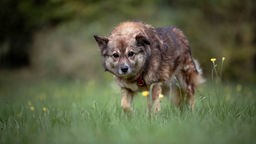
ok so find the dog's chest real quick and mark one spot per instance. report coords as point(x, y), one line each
point(133, 86)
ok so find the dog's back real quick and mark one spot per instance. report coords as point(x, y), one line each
point(184, 70)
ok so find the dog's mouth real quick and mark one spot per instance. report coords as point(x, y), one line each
point(125, 74)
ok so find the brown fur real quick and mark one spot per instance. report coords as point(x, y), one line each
point(160, 56)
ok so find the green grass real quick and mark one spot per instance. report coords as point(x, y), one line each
point(89, 112)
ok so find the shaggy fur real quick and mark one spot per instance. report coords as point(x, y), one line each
point(140, 55)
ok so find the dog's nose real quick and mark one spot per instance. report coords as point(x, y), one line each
point(124, 68)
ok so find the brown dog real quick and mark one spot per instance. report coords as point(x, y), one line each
point(140, 55)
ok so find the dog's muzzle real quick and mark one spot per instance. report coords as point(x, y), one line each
point(124, 69)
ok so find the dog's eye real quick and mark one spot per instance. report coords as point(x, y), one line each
point(130, 54)
point(115, 55)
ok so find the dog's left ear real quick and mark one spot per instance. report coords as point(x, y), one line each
point(142, 40)
point(102, 42)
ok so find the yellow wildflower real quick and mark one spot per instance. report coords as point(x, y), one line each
point(213, 60)
point(145, 93)
point(32, 108)
point(223, 58)
point(161, 95)
point(45, 109)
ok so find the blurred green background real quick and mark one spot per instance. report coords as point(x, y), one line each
point(53, 87)
point(53, 38)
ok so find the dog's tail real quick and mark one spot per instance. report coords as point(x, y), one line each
point(198, 76)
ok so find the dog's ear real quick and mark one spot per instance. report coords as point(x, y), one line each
point(142, 40)
point(102, 42)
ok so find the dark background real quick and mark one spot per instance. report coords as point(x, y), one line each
point(54, 37)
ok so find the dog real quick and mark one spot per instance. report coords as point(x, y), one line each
point(140, 56)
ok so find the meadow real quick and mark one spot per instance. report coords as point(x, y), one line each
point(76, 111)
point(53, 88)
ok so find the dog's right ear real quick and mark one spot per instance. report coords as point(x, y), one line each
point(142, 40)
point(102, 42)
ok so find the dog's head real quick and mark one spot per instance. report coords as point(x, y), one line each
point(124, 56)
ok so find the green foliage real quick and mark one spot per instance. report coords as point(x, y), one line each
point(215, 28)
point(88, 112)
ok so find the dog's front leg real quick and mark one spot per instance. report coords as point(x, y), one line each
point(153, 100)
point(126, 100)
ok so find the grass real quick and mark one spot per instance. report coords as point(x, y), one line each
point(61, 111)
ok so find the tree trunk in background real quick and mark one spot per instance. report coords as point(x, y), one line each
point(15, 36)
point(18, 51)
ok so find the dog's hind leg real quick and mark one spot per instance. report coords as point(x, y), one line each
point(154, 100)
point(190, 96)
point(190, 78)
point(184, 90)
point(182, 95)
point(177, 97)
point(126, 100)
